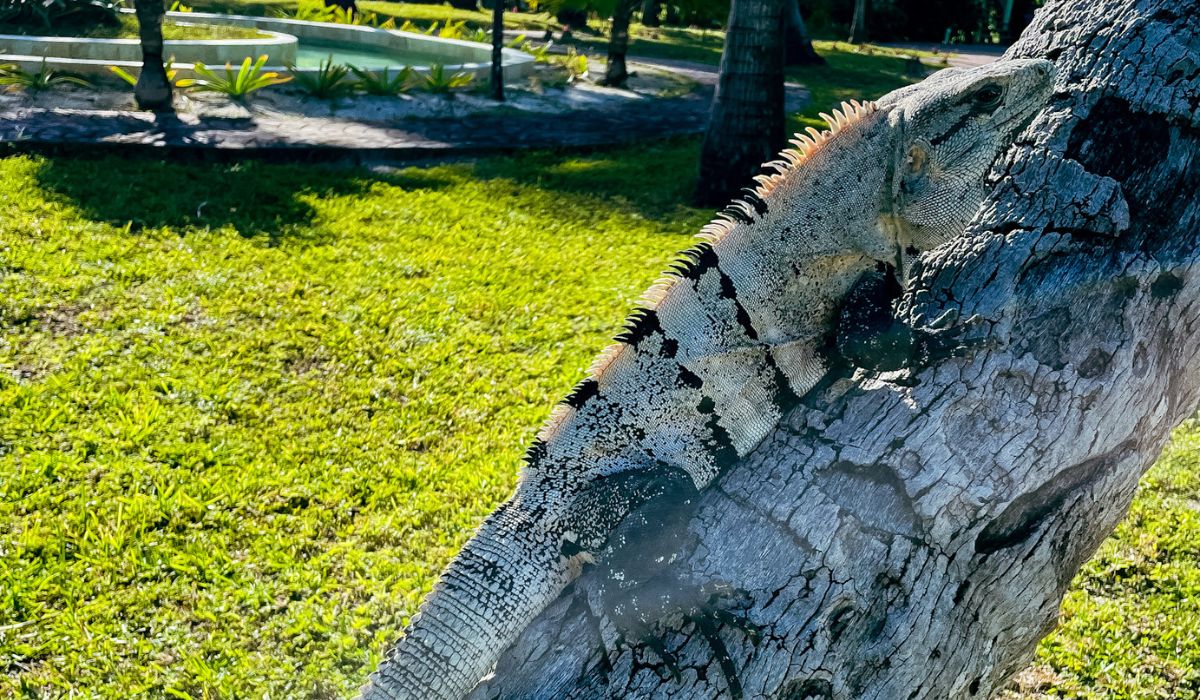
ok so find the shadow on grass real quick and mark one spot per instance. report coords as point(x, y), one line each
point(255, 199)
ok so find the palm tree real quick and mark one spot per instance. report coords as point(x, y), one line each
point(858, 26)
point(798, 44)
point(650, 10)
point(616, 74)
point(153, 90)
point(498, 50)
point(746, 126)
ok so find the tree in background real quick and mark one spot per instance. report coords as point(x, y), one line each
point(498, 50)
point(650, 9)
point(798, 48)
point(153, 90)
point(746, 127)
point(858, 26)
point(615, 74)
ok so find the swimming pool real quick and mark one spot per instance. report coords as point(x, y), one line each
point(302, 44)
point(310, 54)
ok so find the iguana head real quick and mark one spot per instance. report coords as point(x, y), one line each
point(952, 126)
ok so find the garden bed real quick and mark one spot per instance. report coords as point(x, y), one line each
point(284, 41)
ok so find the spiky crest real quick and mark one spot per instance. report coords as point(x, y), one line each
point(740, 210)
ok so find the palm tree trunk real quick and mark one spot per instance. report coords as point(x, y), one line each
point(618, 44)
point(798, 45)
point(650, 10)
point(858, 27)
point(153, 90)
point(746, 127)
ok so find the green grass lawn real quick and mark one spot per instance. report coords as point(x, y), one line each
point(248, 412)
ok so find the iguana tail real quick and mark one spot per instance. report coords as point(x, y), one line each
point(504, 576)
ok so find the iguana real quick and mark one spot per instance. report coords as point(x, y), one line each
point(717, 352)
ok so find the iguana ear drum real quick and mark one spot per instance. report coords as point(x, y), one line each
point(917, 158)
point(916, 169)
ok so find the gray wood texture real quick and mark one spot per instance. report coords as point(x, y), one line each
point(913, 536)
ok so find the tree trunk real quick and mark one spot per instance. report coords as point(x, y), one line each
point(914, 539)
point(498, 50)
point(650, 9)
point(153, 90)
point(746, 127)
point(616, 73)
point(858, 26)
point(798, 48)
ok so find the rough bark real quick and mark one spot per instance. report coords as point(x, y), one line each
point(914, 539)
point(615, 74)
point(798, 48)
point(746, 127)
point(153, 90)
point(858, 25)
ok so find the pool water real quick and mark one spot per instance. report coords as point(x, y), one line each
point(310, 54)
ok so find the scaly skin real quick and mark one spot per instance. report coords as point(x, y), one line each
point(720, 350)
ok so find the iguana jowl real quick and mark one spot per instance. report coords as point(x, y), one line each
point(719, 350)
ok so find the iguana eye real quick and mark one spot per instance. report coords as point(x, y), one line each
point(988, 96)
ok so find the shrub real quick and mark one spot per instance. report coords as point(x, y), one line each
point(328, 83)
point(383, 83)
point(15, 78)
point(439, 83)
point(236, 84)
point(575, 63)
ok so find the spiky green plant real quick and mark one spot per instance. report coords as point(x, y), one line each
point(575, 63)
point(408, 26)
point(318, 11)
point(248, 78)
point(541, 54)
point(329, 82)
point(438, 82)
point(16, 79)
point(383, 84)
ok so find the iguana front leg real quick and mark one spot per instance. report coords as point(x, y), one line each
point(870, 336)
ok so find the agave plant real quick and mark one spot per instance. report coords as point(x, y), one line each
point(328, 83)
point(439, 83)
point(411, 28)
point(236, 84)
point(384, 83)
point(14, 78)
point(575, 63)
